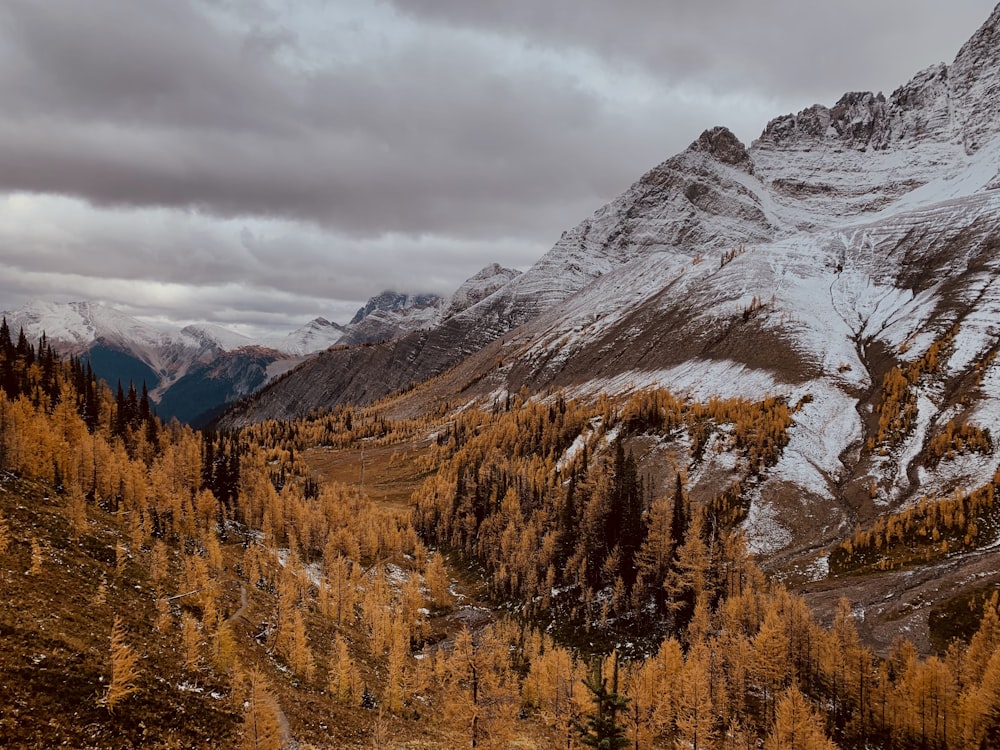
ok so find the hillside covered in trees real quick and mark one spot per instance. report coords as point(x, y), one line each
point(544, 587)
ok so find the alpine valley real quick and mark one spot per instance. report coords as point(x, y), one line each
point(192, 373)
point(720, 470)
point(847, 262)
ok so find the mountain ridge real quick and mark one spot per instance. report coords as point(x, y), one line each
point(841, 246)
point(193, 371)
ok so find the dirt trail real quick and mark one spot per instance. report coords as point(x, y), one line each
point(284, 730)
point(240, 614)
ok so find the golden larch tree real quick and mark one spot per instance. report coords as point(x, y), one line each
point(124, 668)
point(797, 725)
point(261, 728)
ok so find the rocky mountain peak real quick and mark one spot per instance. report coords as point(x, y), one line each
point(477, 288)
point(975, 85)
point(721, 143)
point(959, 103)
point(392, 301)
point(859, 120)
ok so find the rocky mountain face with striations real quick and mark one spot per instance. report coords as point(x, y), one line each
point(846, 245)
point(879, 192)
point(848, 260)
point(390, 315)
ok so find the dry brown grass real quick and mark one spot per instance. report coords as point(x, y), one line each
point(391, 473)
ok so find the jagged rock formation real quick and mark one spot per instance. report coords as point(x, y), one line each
point(477, 288)
point(390, 315)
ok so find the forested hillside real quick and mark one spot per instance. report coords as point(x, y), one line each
point(174, 589)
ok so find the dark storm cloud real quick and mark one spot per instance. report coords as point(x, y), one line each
point(126, 103)
point(265, 161)
point(192, 266)
point(779, 48)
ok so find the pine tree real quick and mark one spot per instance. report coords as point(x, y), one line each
point(696, 715)
point(6, 345)
point(191, 641)
point(797, 725)
point(679, 519)
point(603, 728)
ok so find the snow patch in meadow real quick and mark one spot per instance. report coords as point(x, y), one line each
point(764, 533)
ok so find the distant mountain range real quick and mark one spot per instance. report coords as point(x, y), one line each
point(193, 372)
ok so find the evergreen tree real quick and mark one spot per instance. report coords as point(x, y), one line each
point(628, 505)
point(8, 380)
point(6, 345)
point(603, 729)
point(91, 405)
point(145, 413)
point(121, 413)
point(132, 406)
point(24, 351)
point(679, 520)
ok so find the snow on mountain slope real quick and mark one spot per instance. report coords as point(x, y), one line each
point(843, 242)
point(81, 323)
point(208, 334)
point(847, 248)
point(187, 371)
point(477, 288)
point(315, 336)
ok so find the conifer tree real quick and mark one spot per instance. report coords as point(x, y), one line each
point(261, 730)
point(124, 670)
point(797, 725)
point(696, 713)
point(4, 535)
point(679, 519)
point(603, 728)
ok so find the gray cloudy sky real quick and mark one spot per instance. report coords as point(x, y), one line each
point(262, 162)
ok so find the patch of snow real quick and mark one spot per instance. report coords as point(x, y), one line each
point(696, 379)
point(819, 568)
point(574, 449)
point(914, 442)
point(822, 429)
point(763, 532)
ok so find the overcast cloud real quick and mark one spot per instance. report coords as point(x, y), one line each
point(259, 162)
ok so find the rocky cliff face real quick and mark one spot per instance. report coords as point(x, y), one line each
point(391, 315)
point(477, 288)
point(809, 258)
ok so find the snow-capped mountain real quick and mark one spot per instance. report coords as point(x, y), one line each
point(844, 241)
point(390, 315)
point(188, 371)
point(477, 288)
point(80, 323)
point(849, 249)
point(196, 369)
point(314, 336)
